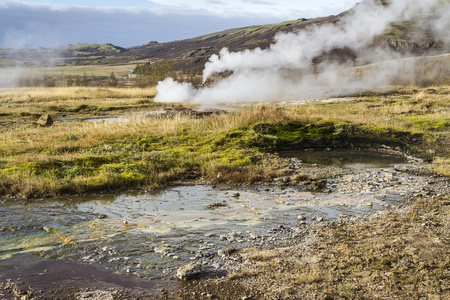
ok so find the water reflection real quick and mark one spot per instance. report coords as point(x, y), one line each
point(347, 158)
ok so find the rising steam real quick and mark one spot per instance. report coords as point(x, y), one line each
point(288, 69)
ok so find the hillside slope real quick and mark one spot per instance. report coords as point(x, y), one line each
point(190, 55)
point(77, 54)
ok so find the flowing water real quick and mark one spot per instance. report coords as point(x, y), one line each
point(147, 233)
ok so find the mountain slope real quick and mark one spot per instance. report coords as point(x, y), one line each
point(190, 55)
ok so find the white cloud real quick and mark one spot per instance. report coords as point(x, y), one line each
point(32, 25)
point(26, 24)
point(280, 8)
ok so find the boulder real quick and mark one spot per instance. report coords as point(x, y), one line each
point(45, 121)
point(189, 271)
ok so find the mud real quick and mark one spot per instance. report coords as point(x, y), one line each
point(34, 277)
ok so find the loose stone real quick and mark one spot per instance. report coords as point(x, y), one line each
point(301, 217)
point(189, 271)
point(45, 121)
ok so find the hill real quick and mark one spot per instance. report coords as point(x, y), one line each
point(77, 54)
point(190, 55)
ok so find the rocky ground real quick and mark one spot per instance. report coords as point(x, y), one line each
point(400, 252)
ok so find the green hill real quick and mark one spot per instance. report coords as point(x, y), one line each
point(77, 54)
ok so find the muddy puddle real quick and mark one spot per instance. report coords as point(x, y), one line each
point(347, 158)
point(151, 234)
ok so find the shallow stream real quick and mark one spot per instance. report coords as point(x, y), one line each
point(149, 234)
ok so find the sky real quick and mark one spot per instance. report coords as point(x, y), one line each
point(127, 23)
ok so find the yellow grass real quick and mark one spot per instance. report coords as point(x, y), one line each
point(119, 70)
point(441, 165)
point(181, 144)
point(388, 111)
point(41, 94)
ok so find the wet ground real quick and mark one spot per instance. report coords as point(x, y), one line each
point(97, 242)
point(29, 276)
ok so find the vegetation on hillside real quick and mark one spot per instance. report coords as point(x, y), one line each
point(77, 54)
point(149, 74)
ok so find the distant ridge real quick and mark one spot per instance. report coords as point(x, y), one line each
point(190, 55)
point(76, 54)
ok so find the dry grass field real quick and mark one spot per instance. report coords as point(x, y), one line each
point(151, 152)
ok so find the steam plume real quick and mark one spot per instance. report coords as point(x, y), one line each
point(287, 70)
point(18, 70)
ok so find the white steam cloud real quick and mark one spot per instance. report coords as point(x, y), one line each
point(9, 77)
point(175, 91)
point(288, 69)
